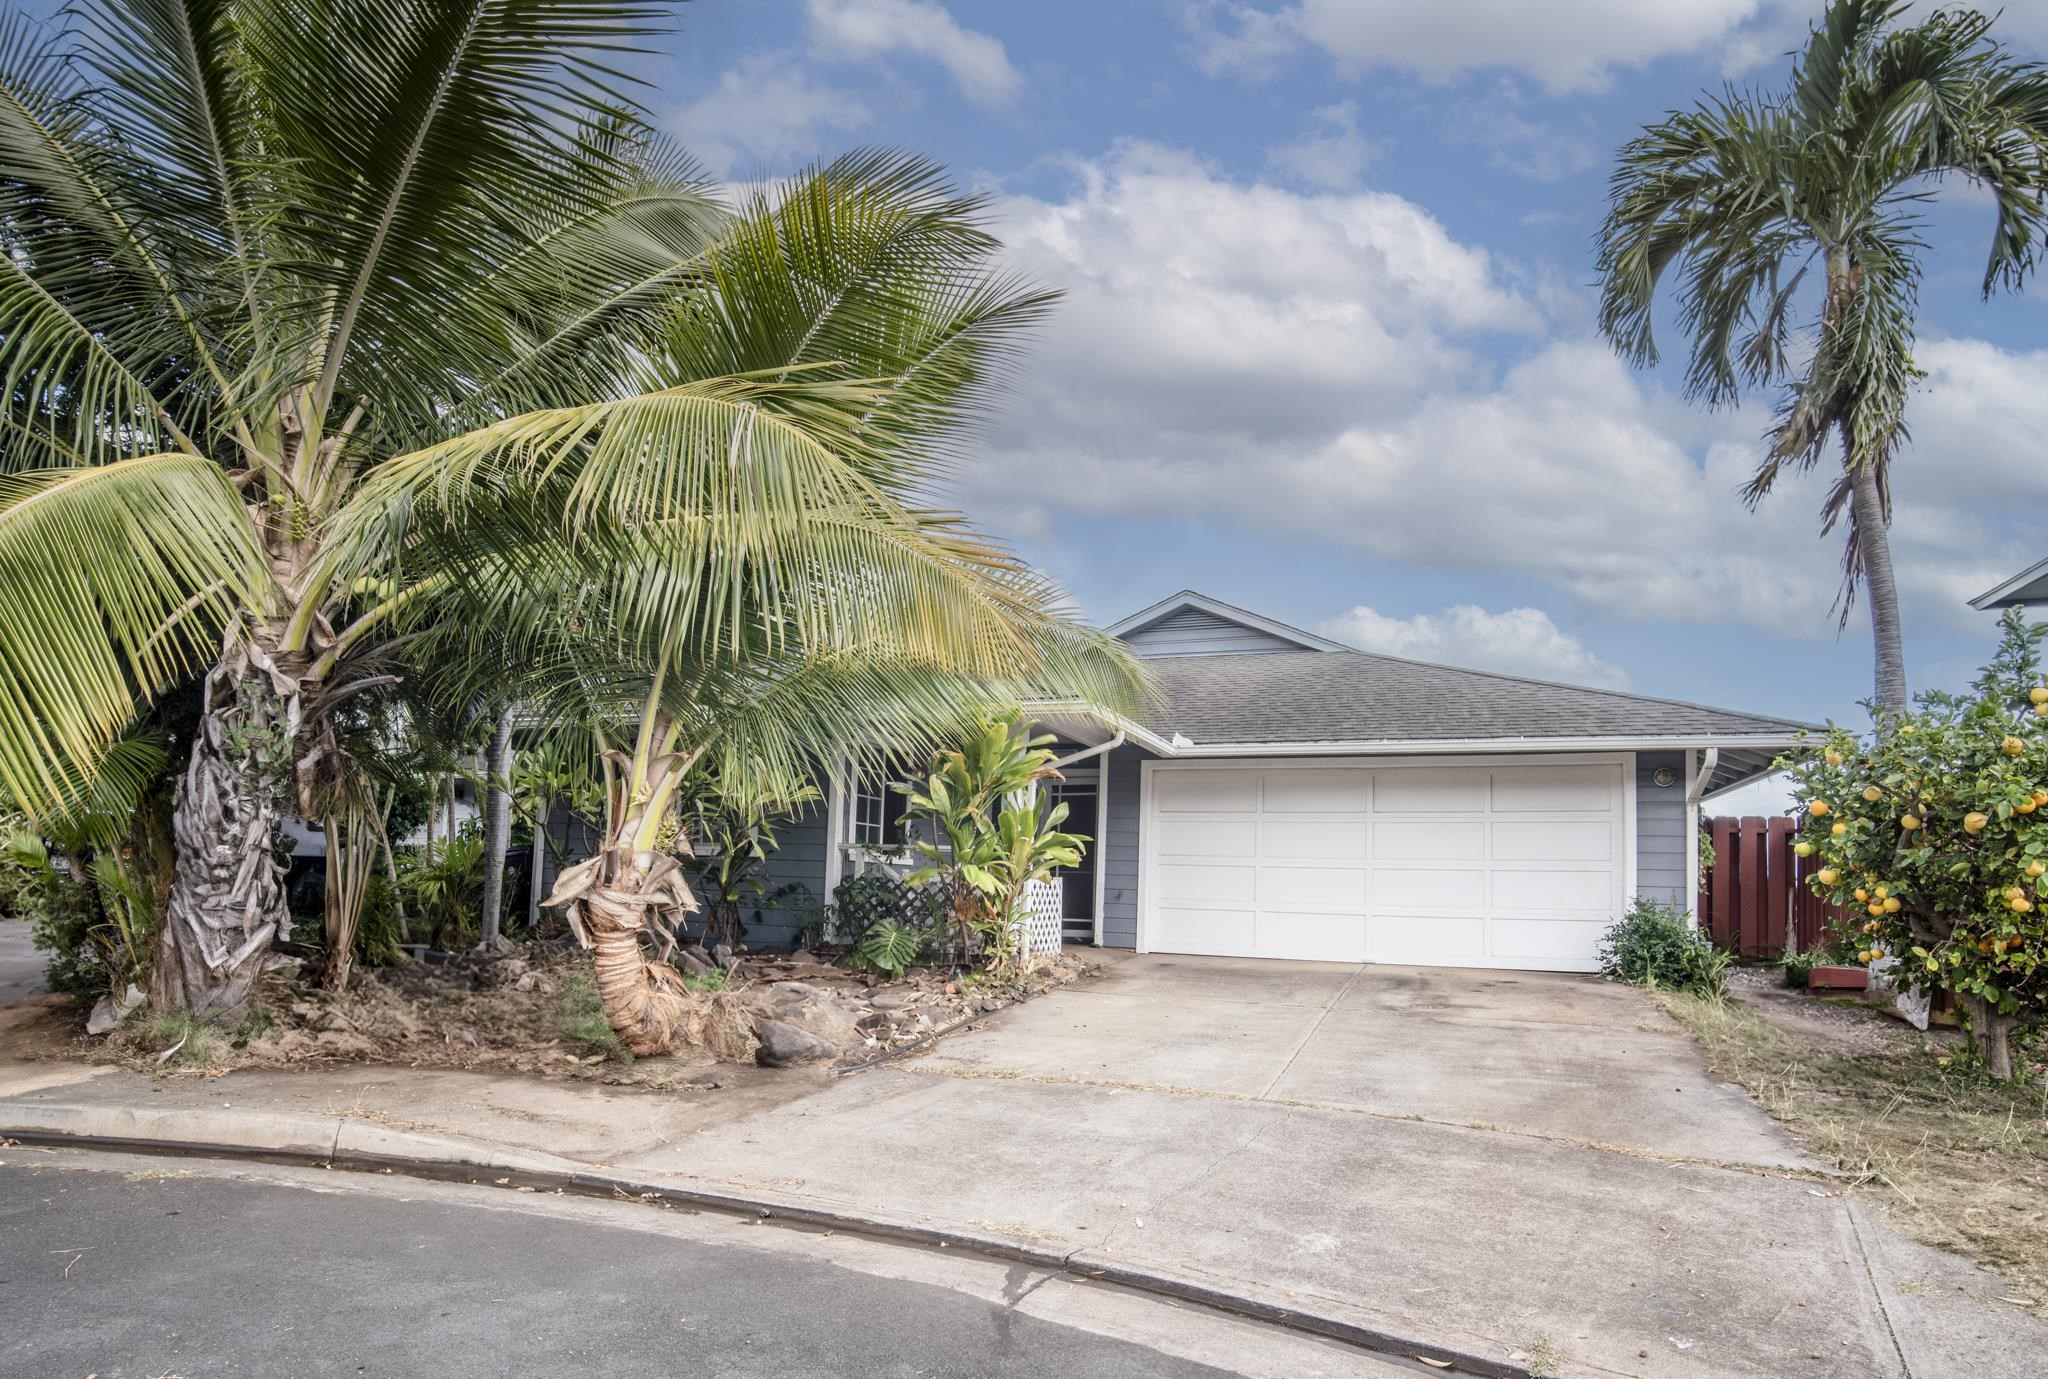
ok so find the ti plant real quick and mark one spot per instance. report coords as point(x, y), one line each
point(998, 831)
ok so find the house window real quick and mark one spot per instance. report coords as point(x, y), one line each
point(877, 814)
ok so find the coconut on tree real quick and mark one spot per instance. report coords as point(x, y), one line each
point(1791, 221)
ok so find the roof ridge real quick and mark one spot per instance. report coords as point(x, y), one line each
point(1629, 695)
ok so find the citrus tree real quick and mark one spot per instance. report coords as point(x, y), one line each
point(1936, 834)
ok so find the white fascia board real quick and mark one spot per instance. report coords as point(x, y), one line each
point(1461, 746)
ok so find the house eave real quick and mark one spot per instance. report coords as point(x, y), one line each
point(1459, 746)
point(2017, 591)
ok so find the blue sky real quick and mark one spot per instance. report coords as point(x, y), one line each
point(1327, 346)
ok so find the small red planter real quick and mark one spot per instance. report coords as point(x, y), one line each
point(1837, 979)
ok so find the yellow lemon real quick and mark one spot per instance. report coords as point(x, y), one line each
point(1872, 793)
point(2039, 694)
point(1827, 876)
point(1839, 829)
point(1802, 849)
point(1974, 821)
point(2037, 868)
point(2013, 746)
point(1893, 905)
point(1817, 808)
point(1909, 822)
point(2020, 904)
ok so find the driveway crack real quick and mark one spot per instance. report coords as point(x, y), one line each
point(1310, 1033)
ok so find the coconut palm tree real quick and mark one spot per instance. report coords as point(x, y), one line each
point(737, 567)
point(1747, 195)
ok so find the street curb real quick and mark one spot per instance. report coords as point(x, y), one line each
point(338, 1142)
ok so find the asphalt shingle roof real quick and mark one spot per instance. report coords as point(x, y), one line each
point(1354, 696)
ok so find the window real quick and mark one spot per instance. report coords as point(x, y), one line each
point(877, 814)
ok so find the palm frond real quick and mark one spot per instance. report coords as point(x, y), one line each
point(114, 581)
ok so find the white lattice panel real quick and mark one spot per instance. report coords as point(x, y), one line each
point(1039, 931)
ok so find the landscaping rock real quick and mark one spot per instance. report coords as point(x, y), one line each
point(724, 956)
point(889, 1000)
point(694, 962)
point(784, 1044)
point(110, 1010)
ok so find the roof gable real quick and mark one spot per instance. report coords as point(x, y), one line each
point(2026, 589)
point(1192, 624)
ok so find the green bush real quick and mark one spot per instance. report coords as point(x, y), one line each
point(859, 903)
point(1795, 968)
point(1655, 944)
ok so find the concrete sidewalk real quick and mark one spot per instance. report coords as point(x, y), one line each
point(1331, 1164)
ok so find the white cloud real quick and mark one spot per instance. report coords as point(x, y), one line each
point(1518, 641)
point(1519, 143)
point(862, 30)
point(1566, 44)
point(766, 113)
point(1331, 152)
point(1316, 363)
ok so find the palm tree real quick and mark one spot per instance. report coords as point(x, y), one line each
point(253, 252)
point(735, 569)
point(1747, 194)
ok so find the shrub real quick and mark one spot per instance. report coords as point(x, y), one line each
point(1655, 944)
point(1935, 829)
point(859, 903)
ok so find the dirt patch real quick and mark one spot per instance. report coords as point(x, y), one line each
point(533, 1011)
point(1960, 1162)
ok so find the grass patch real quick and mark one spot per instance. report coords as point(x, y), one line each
point(159, 1032)
point(1962, 1160)
point(583, 1019)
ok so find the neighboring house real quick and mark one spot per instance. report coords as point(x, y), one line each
point(1290, 797)
point(2027, 589)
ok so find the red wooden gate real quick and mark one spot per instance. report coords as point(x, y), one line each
point(1756, 894)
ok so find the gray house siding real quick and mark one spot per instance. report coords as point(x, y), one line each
point(1660, 829)
point(1119, 856)
point(799, 857)
point(1193, 632)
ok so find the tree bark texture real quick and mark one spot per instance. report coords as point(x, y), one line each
point(497, 827)
point(227, 900)
point(1873, 535)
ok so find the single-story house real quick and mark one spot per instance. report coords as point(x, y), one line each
point(2027, 589)
point(1291, 797)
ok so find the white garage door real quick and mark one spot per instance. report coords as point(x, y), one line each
point(1487, 864)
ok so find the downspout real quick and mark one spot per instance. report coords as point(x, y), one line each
point(1708, 763)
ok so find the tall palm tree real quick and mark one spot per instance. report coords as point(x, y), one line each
point(737, 566)
point(253, 251)
point(1746, 195)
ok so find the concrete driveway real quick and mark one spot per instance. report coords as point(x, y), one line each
point(1502, 1164)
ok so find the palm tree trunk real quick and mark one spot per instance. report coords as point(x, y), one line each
point(1873, 536)
point(497, 827)
point(227, 899)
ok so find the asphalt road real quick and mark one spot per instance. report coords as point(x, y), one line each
point(21, 966)
point(128, 1268)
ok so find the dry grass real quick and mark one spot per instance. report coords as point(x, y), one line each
point(1961, 1161)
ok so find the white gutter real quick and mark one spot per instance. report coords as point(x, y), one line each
point(1468, 746)
point(1094, 751)
point(1711, 760)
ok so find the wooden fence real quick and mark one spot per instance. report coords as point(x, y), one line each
point(1755, 897)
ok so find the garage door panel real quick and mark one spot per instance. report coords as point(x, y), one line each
point(1553, 840)
point(1425, 939)
point(1211, 838)
point(1434, 888)
point(1219, 884)
point(1319, 838)
point(1554, 789)
point(1322, 887)
point(1568, 944)
point(1215, 792)
point(1523, 891)
point(1430, 790)
point(1317, 937)
point(1317, 792)
point(1508, 864)
point(1435, 840)
point(1221, 933)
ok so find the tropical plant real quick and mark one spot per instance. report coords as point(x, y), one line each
point(730, 814)
point(1748, 194)
point(868, 898)
point(1656, 945)
point(445, 887)
point(736, 566)
point(1936, 834)
point(997, 831)
point(891, 948)
point(254, 252)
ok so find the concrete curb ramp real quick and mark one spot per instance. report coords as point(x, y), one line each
point(340, 1142)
